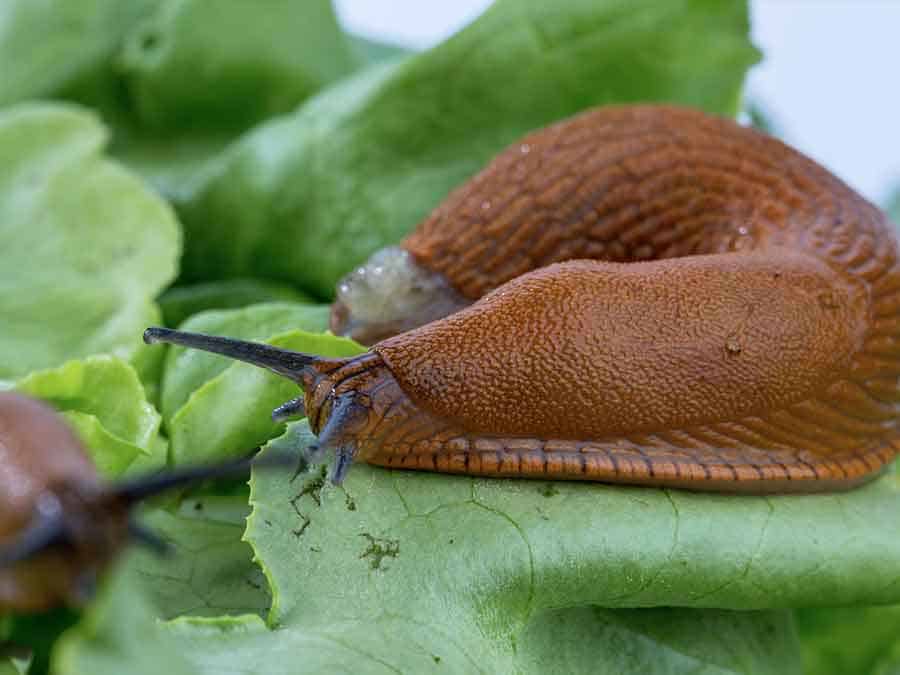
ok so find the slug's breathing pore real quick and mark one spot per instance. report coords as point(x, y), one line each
point(388, 295)
point(60, 525)
point(639, 294)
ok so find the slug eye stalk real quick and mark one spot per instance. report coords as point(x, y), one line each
point(304, 369)
point(295, 366)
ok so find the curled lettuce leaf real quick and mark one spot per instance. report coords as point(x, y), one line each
point(102, 398)
point(85, 246)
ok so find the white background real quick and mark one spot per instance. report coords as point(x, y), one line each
point(830, 77)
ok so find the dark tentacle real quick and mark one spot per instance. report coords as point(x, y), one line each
point(289, 364)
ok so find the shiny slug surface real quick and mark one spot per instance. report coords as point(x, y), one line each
point(659, 297)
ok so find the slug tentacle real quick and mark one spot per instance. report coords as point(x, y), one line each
point(293, 408)
point(346, 419)
point(343, 458)
point(292, 365)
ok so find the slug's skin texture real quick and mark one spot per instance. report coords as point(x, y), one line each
point(728, 319)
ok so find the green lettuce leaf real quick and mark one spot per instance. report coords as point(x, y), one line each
point(175, 79)
point(306, 197)
point(527, 546)
point(103, 400)
point(230, 64)
point(893, 207)
point(121, 637)
point(849, 639)
point(11, 666)
point(179, 303)
point(29, 638)
point(197, 74)
point(889, 664)
point(119, 634)
point(55, 47)
point(208, 571)
point(369, 51)
point(84, 245)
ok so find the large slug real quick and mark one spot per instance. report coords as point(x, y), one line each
point(727, 319)
point(60, 525)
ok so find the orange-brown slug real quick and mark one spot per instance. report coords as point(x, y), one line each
point(639, 294)
point(60, 525)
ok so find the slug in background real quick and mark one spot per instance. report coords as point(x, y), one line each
point(727, 320)
point(60, 525)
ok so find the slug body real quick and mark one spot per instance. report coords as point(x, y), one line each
point(647, 295)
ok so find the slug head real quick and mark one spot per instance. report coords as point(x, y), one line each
point(390, 294)
point(338, 419)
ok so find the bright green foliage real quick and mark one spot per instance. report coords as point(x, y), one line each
point(119, 634)
point(104, 401)
point(209, 570)
point(307, 196)
point(848, 640)
point(55, 47)
point(586, 640)
point(176, 79)
point(369, 52)
point(181, 302)
point(230, 64)
point(84, 245)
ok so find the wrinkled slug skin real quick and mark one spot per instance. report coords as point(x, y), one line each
point(735, 328)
